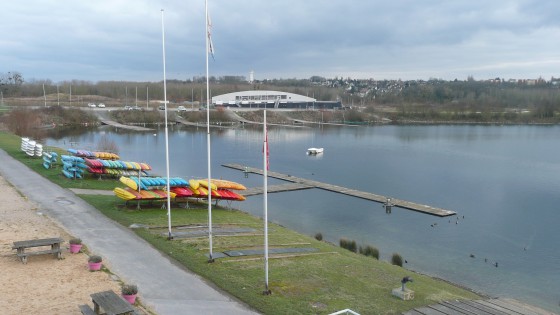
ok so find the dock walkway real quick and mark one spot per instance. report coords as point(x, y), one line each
point(346, 191)
point(498, 306)
point(203, 124)
point(119, 125)
point(274, 189)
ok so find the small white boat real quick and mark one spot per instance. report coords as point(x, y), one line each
point(314, 151)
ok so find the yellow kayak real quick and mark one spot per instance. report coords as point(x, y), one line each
point(204, 183)
point(123, 194)
point(227, 184)
point(129, 182)
point(194, 184)
point(204, 192)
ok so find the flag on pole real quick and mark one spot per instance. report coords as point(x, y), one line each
point(209, 31)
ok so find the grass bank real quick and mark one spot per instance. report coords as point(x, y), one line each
point(320, 282)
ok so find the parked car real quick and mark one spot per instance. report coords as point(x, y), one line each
point(181, 109)
point(101, 105)
point(128, 107)
point(136, 108)
point(91, 105)
point(161, 107)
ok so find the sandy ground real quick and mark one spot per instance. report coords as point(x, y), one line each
point(44, 285)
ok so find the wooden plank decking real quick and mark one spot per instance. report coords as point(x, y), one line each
point(273, 189)
point(346, 191)
point(479, 307)
point(129, 127)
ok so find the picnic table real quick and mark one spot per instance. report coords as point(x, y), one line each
point(54, 244)
point(110, 303)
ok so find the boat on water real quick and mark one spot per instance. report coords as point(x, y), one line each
point(313, 151)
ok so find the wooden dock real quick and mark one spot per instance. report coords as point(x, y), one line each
point(203, 124)
point(129, 127)
point(343, 190)
point(273, 189)
point(479, 307)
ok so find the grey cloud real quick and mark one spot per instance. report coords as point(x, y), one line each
point(64, 40)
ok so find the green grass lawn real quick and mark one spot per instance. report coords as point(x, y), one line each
point(321, 282)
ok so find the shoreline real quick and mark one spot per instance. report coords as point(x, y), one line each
point(434, 277)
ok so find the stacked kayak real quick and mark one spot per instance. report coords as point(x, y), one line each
point(31, 147)
point(38, 149)
point(73, 166)
point(229, 195)
point(146, 188)
point(117, 168)
point(128, 193)
point(151, 188)
point(226, 184)
point(220, 189)
point(216, 184)
point(94, 154)
point(152, 182)
point(49, 158)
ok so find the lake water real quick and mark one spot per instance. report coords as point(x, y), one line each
point(504, 180)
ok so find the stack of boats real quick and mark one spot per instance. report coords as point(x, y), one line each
point(94, 154)
point(100, 163)
point(153, 188)
point(145, 188)
point(73, 166)
point(31, 147)
point(138, 184)
point(49, 159)
point(116, 168)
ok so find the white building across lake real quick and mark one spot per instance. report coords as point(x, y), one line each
point(272, 99)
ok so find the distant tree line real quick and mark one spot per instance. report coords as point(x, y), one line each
point(177, 90)
point(475, 101)
point(473, 94)
point(413, 98)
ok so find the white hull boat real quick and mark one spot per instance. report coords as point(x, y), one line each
point(314, 151)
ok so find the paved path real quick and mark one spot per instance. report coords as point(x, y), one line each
point(164, 286)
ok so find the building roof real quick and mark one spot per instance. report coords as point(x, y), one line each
point(259, 96)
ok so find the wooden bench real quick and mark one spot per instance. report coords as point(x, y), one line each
point(86, 310)
point(54, 244)
point(111, 303)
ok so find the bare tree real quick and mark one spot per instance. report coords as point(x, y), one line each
point(10, 81)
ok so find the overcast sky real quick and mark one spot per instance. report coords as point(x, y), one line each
point(399, 39)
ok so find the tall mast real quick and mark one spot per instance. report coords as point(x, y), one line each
point(265, 203)
point(211, 259)
point(169, 236)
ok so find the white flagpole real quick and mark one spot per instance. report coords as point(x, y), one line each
point(211, 259)
point(265, 190)
point(169, 236)
point(45, 95)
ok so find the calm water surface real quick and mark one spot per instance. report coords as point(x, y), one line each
point(504, 180)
